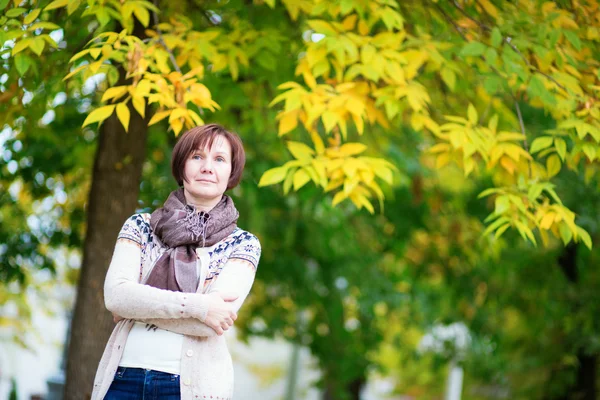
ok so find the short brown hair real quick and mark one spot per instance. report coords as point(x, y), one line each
point(200, 137)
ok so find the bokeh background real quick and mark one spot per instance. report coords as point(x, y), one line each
point(422, 176)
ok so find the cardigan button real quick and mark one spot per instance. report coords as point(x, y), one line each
point(187, 382)
point(189, 353)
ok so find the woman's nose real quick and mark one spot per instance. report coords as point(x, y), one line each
point(207, 166)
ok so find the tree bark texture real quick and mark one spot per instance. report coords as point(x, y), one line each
point(584, 388)
point(113, 197)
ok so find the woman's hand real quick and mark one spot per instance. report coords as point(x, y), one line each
point(220, 315)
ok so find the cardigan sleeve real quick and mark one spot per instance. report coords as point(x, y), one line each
point(127, 298)
point(237, 276)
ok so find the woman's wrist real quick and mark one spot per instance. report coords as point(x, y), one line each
point(195, 305)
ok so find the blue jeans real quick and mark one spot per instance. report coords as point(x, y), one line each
point(143, 384)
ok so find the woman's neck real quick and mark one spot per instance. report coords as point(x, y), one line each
point(201, 204)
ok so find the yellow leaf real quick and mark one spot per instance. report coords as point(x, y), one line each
point(56, 4)
point(123, 115)
point(322, 27)
point(159, 116)
point(329, 120)
point(114, 93)
point(489, 8)
point(360, 124)
point(142, 15)
point(318, 142)
point(334, 184)
point(37, 45)
point(319, 167)
point(288, 122)
point(31, 16)
point(351, 149)
point(547, 220)
point(553, 165)
point(289, 179)
point(472, 114)
point(349, 22)
point(338, 198)
point(301, 177)
point(366, 54)
point(363, 28)
point(300, 151)
point(20, 46)
point(140, 105)
point(508, 164)
point(273, 176)
point(350, 167)
point(143, 88)
point(366, 203)
point(99, 115)
point(178, 113)
point(384, 173)
point(355, 106)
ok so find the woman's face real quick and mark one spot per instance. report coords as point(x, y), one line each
point(207, 173)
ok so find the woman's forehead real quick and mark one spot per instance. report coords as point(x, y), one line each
point(218, 143)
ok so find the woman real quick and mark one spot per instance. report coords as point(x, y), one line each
point(177, 279)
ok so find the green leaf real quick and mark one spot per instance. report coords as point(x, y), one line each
point(37, 45)
point(553, 165)
point(585, 237)
point(553, 37)
point(536, 87)
point(541, 143)
point(501, 204)
point(491, 55)
point(473, 49)
point(56, 4)
point(3, 4)
point(273, 176)
point(495, 225)
point(496, 38)
point(449, 77)
point(561, 147)
point(573, 38)
point(15, 12)
point(492, 83)
point(22, 63)
point(565, 233)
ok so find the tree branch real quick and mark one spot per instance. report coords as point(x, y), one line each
point(162, 40)
point(517, 107)
point(508, 41)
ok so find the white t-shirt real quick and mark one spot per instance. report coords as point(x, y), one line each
point(157, 349)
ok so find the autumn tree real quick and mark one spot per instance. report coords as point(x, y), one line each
point(351, 75)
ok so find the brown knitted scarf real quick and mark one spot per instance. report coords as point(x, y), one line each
point(183, 229)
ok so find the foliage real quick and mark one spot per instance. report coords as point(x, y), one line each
point(373, 99)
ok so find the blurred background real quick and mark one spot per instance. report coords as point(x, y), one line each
point(390, 275)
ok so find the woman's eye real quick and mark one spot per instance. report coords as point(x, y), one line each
point(196, 157)
point(220, 159)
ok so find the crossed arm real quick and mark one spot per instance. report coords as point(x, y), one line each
point(193, 314)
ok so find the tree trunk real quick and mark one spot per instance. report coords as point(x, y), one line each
point(584, 388)
point(113, 196)
point(352, 391)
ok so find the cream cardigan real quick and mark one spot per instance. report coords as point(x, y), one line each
point(206, 367)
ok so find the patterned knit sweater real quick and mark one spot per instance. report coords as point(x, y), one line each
point(206, 367)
